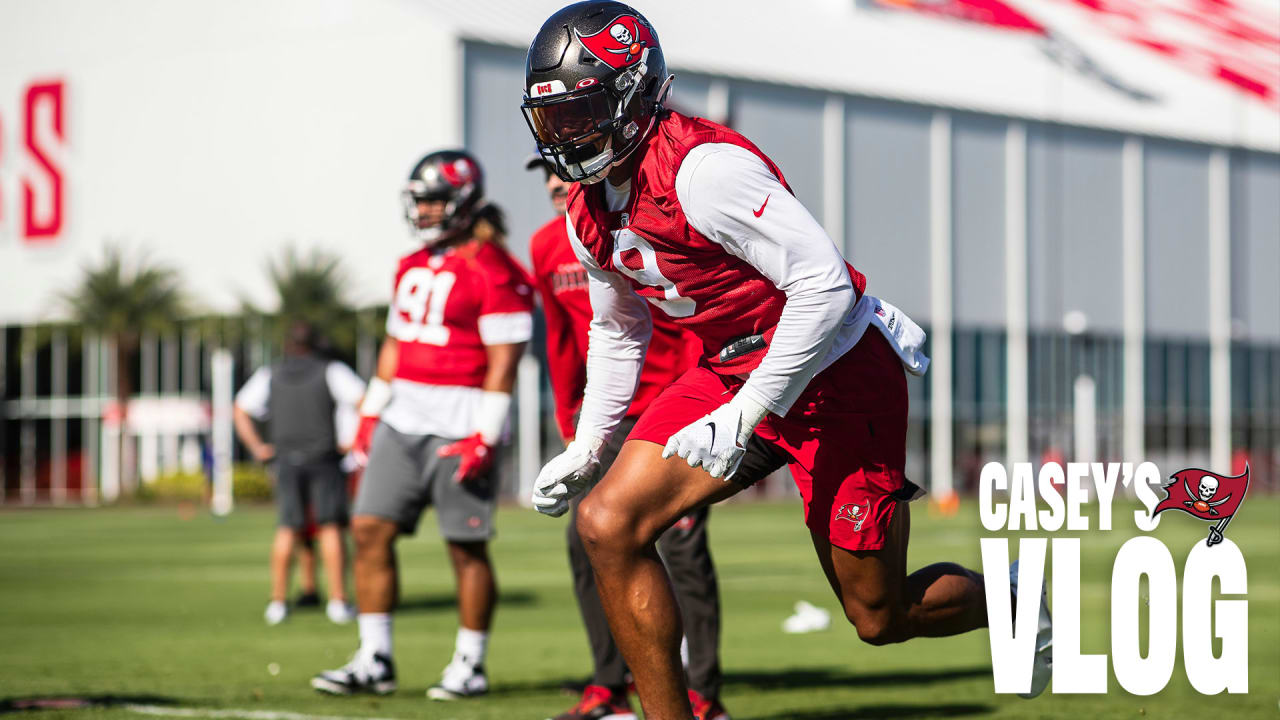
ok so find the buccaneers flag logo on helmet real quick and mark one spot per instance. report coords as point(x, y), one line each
point(620, 43)
point(1206, 495)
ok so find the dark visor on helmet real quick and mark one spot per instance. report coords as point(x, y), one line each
point(561, 120)
point(570, 129)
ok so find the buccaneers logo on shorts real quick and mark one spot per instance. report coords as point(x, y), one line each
point(854, 513)
point(620, 43)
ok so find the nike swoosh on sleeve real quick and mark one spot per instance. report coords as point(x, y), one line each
point(760, 212)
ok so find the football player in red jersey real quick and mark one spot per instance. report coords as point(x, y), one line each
point(562, 286)
point(698, 221)
point(458, 322)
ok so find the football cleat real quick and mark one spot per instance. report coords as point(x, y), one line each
point(599, 703)
point(276, 612)
point(1042, 663)
point(458, 681)
point(705, 708)
point(374, 674)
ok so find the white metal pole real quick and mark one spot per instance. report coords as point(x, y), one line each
point(27, 432)
point(169, 387)
point(111, 455)
point(58, 418)
point(529, 441)
point(148, 455)
point(222, 367)
point(1133, 289)
point(1220, 310)
point(148, 367)
point(191, 361)
point(1017, 415)
point(718, 107)
point(940, 303)
point(1085, 417)
point(833, 167)
point(90, 412)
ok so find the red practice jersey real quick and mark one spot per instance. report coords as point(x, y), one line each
point(448, 304)
point(562, 284)
point(717, 295)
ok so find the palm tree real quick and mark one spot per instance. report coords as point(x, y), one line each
point(312, 288)
point(121, 299)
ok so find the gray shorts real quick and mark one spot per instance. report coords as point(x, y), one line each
point(405, 476)
point(319, 486)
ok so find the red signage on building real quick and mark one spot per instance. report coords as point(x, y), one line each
point(42, 200)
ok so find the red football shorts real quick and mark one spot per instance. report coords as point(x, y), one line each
point(845, 438)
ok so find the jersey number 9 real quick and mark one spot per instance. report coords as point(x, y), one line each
point(672, 302)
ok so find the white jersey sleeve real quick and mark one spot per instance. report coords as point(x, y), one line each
point(617, 341)
point(255, 395)
point(345, 385)
point(730, 196)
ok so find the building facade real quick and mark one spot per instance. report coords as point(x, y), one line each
point(1088, 228)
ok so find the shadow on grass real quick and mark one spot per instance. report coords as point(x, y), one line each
point(890, 711)
point(432, 603)
point(802, 678)
point(823, 677)
point(78, 702)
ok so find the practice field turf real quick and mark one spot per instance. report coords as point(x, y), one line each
point(145, 607)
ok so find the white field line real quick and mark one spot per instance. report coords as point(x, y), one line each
point(241, 714)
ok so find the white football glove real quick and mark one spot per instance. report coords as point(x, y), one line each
point(718, 440)
point(566, 476)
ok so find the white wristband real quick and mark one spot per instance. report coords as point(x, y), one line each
point(592, 438)
point(376, 397)
point(752, 413)
point(491, 416)
point(594, 443)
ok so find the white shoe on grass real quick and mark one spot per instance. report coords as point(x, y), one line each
point(339, 612)
point(276, 612)
point(459, 680)
point(366, 673)
point(1042, 663)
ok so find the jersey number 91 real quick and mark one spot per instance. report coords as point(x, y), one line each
point(419, 307)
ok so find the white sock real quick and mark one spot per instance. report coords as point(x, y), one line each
point(471, 646)
point(375, 633)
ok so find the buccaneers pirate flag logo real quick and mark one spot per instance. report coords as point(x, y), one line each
point(1206, 495)
point(620, 43)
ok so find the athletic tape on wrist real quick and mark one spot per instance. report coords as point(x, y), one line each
point(376, 397)
point(752, 413)
point(491, 416)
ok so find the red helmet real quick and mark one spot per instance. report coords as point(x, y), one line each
point(595, 79)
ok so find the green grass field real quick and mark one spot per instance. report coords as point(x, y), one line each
point(140, 603)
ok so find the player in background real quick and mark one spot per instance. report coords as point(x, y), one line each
point(301, 399)
point(697, 220)
point(562, 286)
point(432, 417)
